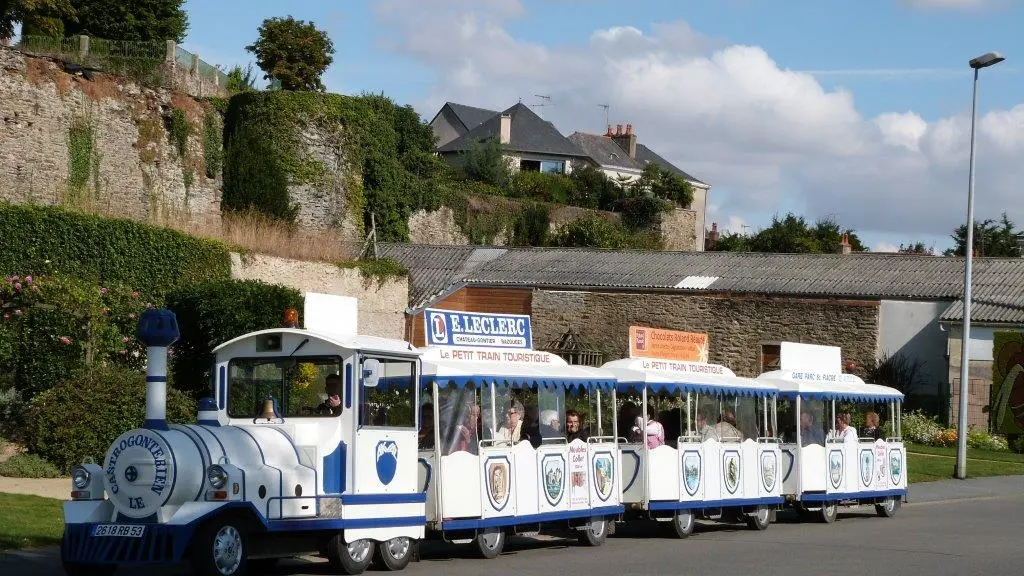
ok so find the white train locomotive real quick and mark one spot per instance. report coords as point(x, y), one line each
point(271, 469)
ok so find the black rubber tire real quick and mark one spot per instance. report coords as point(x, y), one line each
point(684, 522)
point(490, 542)
point(202, 548)
point(346, 561)
point(890, 508)
point(588, 536)
point(760, 520)
point(828, 513)
point(390, 555)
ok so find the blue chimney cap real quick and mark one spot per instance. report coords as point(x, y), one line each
point(158, 327)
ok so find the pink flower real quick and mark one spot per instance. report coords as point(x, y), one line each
point(124, 339)
point(28, 279)
point(103, 290)
point(17, 312)
point(17, 285)
point(65, 340)
point(7, 315)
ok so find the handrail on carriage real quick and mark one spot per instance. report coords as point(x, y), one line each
point(600, 439)
point(554, 440)
point(767, 440)
point(690, 439)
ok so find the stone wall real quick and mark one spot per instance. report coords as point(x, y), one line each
point(129, 169)
point(381, 305)
point(436, 227)
point(680, 231)
point(736, 325)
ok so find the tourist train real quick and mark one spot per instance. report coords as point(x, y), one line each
point(317, 440)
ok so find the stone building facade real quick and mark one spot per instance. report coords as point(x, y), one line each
point(740, 328)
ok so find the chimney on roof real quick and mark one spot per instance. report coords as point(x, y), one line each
point(844, 244)
point(712, 237)
point(618, 129)
point(626, 140)
point(609, 133)
point(506, 129)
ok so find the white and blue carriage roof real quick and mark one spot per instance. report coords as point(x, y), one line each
point(828, 386)
point(674, 376)
point(374, 344)
point(514, 367)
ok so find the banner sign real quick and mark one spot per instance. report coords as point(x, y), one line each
point(455, 328)
point(667, 344)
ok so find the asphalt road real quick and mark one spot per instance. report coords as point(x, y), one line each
point(954, 528)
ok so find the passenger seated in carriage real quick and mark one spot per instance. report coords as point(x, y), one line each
point(512, 430)
point(332, 405)
point(466, 436)
point(809, 432)
point(844, 429)
point(654, 432)
point(425, 438)
point(705, 430)
point(872, 429)
point(550, 426)
point(574, 426)
point(726, 427)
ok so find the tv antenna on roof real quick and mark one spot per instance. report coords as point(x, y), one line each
point(605, 106)
point(547, 102)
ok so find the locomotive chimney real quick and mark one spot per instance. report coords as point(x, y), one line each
point(158, 329)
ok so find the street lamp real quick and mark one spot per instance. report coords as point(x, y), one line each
point(983, 61)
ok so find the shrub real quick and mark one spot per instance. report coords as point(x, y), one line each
point(641, 212)
point(920, 428)
point(12, 407)
point(53, 325)
point(380, 269)
point(147, 258)
point(982, 440)
point(485, 162)
point(531, 226)
point(28, 466)
point(213, 153)
point(213, 312)
point(594, 189)
point(81, 416)
point(593, 231)
point(546, 187)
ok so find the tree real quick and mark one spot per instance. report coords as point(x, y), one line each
point(241, 80)
point(917, 248)
point(140, 20)
point(991, 238)
point(39, 16)
point(792, 235)
point(485, 161)
point(594, 188)
point(665, 185)
point(293, 52)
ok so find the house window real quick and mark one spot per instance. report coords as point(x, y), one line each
point(529, 165)
point(553, 167)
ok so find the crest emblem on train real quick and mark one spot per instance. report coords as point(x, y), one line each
point(691, 471)
point(895, 465)
point(387, 461)
point(835, 467)
point(731, 470)
point(604, 477)
point(553, 471)
point(438, 328)
point(498, 482)
point(769, 470)
point(867, 466)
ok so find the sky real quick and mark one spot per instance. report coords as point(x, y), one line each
point(858, 111)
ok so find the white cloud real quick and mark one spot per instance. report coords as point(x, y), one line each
point(949, 4)
point(763, 135)
point(885, 247)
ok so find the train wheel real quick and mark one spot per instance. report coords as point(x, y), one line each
point(349, 557)
point(490, 542)
point(828, 512)
point(595, 532)
point(220, 548)
point(395, 553)
point(761, 519)
point(889, 508)
point(683, 523)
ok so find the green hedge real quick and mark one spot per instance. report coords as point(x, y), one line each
point(28, 466)
point(45, 240)
point(389, 151)
point(213, 312)
point(82, 415)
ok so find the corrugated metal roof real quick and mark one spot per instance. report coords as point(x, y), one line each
point(998, 282)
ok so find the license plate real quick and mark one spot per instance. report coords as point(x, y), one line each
point(124, 530)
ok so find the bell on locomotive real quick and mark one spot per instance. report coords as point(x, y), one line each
point(306, 444)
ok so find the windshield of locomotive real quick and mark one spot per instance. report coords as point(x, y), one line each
point(282, 387)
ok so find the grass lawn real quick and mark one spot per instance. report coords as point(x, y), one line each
point(927, 463)
point(27, 521)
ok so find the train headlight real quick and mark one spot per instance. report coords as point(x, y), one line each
point(217, 476)
point(80, 477)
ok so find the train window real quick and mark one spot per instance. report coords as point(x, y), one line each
point(280, 387)
point(392, 402)
point(460, 415)
point(551, 412)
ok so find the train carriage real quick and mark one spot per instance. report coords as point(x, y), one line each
point(276, 465)
point(717, 458)
point(498, 458)
point(826, 461)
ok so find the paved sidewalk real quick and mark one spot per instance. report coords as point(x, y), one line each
point(946, 490)
point(59, 488)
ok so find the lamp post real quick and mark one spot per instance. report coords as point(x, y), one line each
point(983, 61)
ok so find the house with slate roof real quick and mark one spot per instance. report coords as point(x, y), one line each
point(622, 158)
point(871, 305)
point(530, 142)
